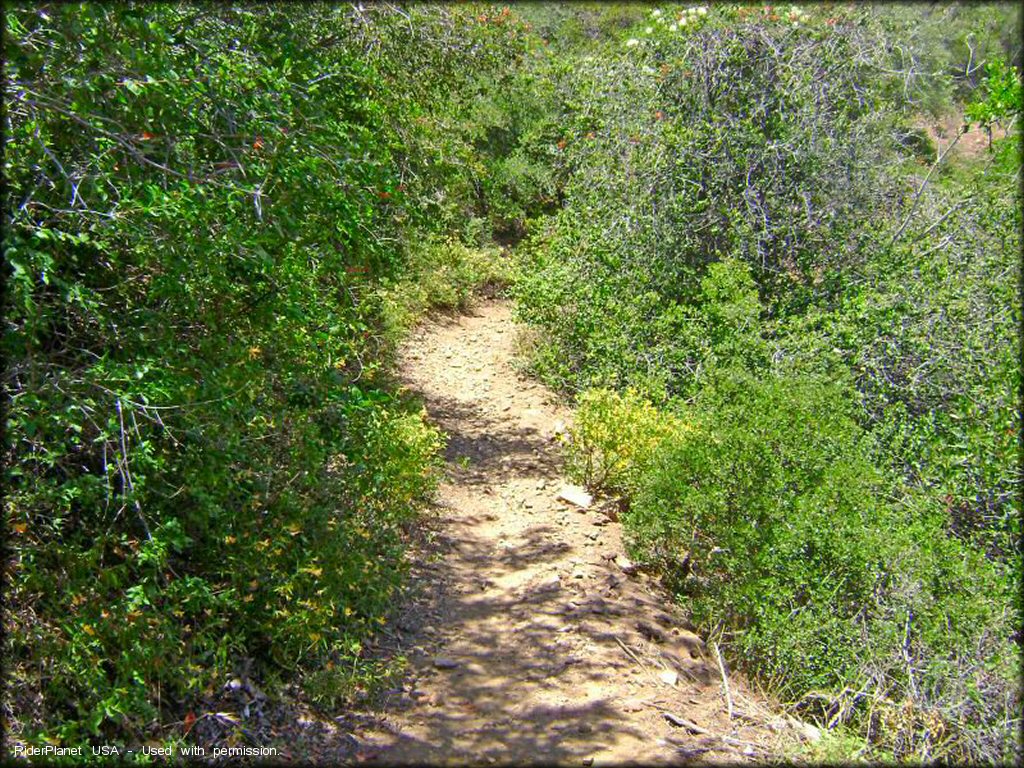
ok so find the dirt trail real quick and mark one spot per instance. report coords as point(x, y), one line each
point(527, 641)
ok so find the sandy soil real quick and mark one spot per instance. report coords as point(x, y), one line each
point(529, 637)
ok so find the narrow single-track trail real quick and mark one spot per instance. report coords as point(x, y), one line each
point(530, 638)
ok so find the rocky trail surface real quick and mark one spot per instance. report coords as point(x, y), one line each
point(530, 637)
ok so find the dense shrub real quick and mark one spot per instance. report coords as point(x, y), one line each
point(204, 471)
point(749, 244)
point(440, 275)
point(737, 139)
point(773, 520)
point(614, 438)
point(942, 49)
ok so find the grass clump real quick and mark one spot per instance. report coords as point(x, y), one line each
point(443, 275)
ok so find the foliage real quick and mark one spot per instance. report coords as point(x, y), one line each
point(1002, 97)
point(941, 51)
point(728, 140)
point(750, 245)
point(780, 530)
point(796, 351)
point(613, 439)
point(616, 436)
point(458, 109)
point(205, 470)
point(440, 275)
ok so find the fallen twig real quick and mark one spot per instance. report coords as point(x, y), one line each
point(637, 659)
point(632, 655)
point(725, 679)
point(689, 725)
point(741, 743)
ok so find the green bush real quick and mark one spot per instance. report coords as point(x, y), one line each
point(749, 241)
point(205, 470)
point(773, 508)
point(729, 139)
point(439, 275)
point(614, 438)
point(771, 518)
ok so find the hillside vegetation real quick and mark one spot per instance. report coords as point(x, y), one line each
point(793, 329)
point(786, 307)
point(215, 219)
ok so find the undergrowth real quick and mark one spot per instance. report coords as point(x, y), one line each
point(217, 223)
point(794, 343)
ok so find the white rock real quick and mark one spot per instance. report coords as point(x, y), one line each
point(626, 565)
point(806, 731)
point(576, 496)
point(553, 583)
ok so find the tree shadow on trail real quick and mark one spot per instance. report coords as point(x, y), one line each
point(503, 699)
point(481, 445)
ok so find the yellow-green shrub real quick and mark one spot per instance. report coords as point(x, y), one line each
point(614, 438)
